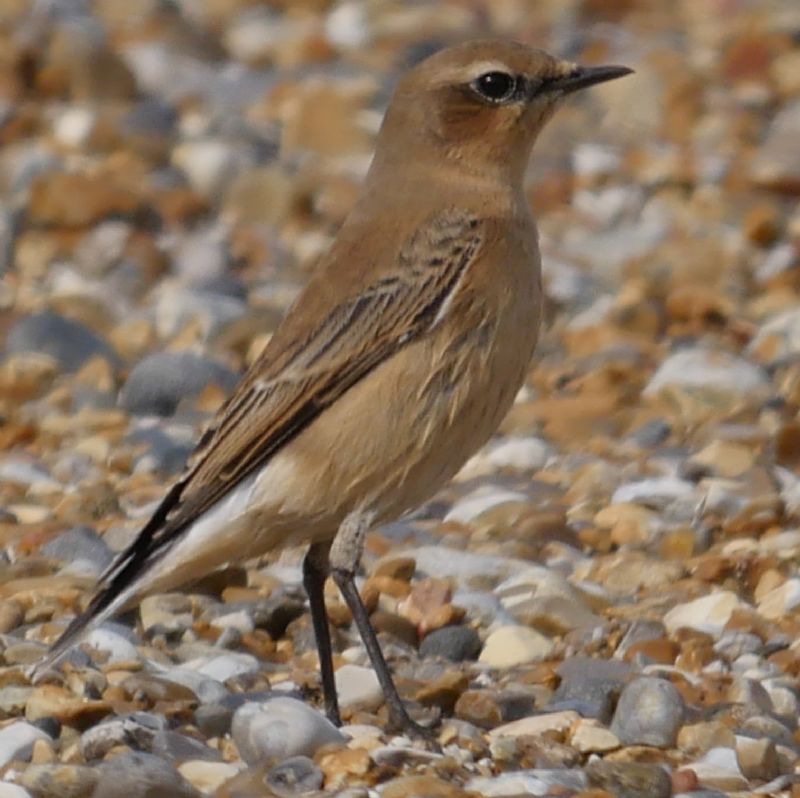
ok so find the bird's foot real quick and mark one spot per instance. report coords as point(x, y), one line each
point(400, 722)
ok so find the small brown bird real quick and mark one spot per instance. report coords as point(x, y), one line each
point(396, 363)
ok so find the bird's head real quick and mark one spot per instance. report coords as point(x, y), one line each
point(484, 102)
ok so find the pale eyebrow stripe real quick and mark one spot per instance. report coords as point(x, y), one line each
point(472, 71)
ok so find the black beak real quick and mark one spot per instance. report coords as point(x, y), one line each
point(584, 76)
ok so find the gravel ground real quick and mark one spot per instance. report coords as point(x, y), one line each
point(606, 602)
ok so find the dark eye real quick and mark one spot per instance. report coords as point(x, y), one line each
point(495, 86)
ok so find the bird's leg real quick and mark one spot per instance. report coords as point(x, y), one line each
point(345, 555)
point(315, 572)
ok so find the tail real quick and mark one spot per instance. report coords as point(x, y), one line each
point(117, 585)
point(103, 605)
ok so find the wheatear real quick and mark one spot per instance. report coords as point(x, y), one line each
point(396, 363)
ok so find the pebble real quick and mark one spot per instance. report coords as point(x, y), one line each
point(772, 165)
point(69, 342)
point(178, 308)
point(480, 501)
point(12, 615)
point(294, 776)
point(52, 701)
point(176, 748)
point(80, 545)
point(280, 728)
point(201, 256)
point(592, 696)
point(698, 738)
point(140, 775)
point(358, 688)
point(157, 384)
point(17, 739)
point(706, 370)
point(165, 454)
point(136, 730)
point(421, 787)
point(719, 769)
point(707, 614)
point(444, 562)
point(166, 613)
point(590, 738)
point(630, 779)
point(513, 454)
point(225, 666)
point(59, 781)
point(540, 782)
point(537, 725)
point(781, 601)
point(216, 715)
point(454, 643)
point(117, 648)
point(206, 776)
point(206, 689)
point(13, 699)
point(757, 758)
point(657, 492)
point(510, 646)
point(650, 712)
point(13, 791)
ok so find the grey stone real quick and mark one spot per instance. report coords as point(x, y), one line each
point(652, 433)
point(140, 775)
point(81, 543)
point(136, 730)
point(655, 492)
point(590, 698)
point(17, 739)
point(214, 719)
point(456, 643)
point(118, 647)
point(7, 235)
point(281, 728)
point(201, 257)
point(165, 453)
point(630, 779)
point(704, 369)
point(275, 613)
point(151, 119)
point(733, 645)
point(294, 776)
point(445, 562)
point(226, 666)
point(8, 790)
point(160, 381)
point(650, 712)
point(23, 471)
point(102, 248)
point(69, 342)
point(178, 305)
point(176, 747)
